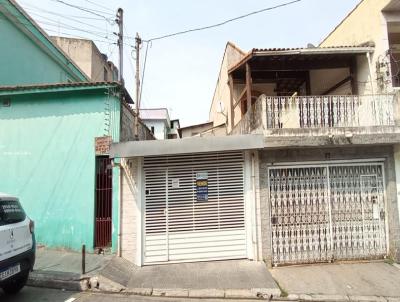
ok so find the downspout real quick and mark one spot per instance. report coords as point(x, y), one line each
point(120, 211)
point(253, 181)
point(119, 165)
point(372, 87)
point(370, 72)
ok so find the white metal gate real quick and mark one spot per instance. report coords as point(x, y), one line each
point(325, 212)
point(180, 228)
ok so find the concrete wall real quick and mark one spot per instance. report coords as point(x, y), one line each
point(78, 50)
point(47, 159)
point(232, 55)
point(323, 79)
point(365, 23)
point(321, 154)
point(87, 56)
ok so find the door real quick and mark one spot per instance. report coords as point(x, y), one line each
point(103, 203)
point(325, 212)
point(194, 208)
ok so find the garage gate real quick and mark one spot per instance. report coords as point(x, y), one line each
point(325, 212)
point(179, 226)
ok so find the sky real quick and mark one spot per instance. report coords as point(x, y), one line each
point(181, 71)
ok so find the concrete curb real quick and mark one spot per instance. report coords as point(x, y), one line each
point(58, 280)
point(336, 298)
point(77, 282)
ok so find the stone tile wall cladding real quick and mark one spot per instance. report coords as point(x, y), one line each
point(268, 157)
point(129, 187)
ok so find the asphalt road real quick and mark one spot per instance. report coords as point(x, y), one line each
point(35, 294)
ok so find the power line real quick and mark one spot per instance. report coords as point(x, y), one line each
point(30, 7)
point(74, 20)
point(70, 27)
point(221, 23)
point(85, 9)
point(99, 5)
point(79, 37)
point(144, 69)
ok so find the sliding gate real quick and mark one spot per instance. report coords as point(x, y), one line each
point(194, 207)
point(327, 212)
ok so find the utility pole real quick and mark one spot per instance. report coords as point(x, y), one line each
point(138, 42)
point(120, 22)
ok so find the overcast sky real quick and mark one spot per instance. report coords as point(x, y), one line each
point(181, 71)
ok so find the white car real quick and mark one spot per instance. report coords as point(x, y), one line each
point(17, 245)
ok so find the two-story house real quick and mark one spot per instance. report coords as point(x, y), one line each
point(55, 129)
point(329, 118)
point(306, 174)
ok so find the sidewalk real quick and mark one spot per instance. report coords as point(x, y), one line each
point(63, 269)
point(242, 279)
point(369, 281)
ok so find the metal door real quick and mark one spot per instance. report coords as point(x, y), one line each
point(178, 227)
point(103, 205)
point(326, 212)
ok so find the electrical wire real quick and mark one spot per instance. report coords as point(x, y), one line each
point(79, 37)
point(31, 7)
point(101, 6)
point(144, 70)
point(70, 27)
point(85, 9)
point(221, 23)
point(72, 19)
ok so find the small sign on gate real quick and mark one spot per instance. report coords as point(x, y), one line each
point(202, 186)
point(102, 145)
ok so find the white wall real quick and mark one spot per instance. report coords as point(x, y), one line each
point(160, 130)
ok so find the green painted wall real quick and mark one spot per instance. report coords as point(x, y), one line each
point(22, 60)
point(47, 159)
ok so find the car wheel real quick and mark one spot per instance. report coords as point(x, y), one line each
point(16, 284)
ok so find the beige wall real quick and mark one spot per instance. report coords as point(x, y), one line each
point(87, 56)
point(78, 50)
point(365, 23)
point(232, 55)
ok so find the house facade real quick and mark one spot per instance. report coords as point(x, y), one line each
point(50, 162)
point(30, 56)
point(308, 172)
point(159, 123)
point(55, 131)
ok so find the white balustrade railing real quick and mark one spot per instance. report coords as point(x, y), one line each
point(329, 111)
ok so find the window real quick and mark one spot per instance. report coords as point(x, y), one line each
point(394, 52)
point(152, 129)
point(11, 212)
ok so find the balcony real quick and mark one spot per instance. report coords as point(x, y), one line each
point(316, 120)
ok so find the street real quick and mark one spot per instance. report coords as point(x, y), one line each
point(35, 294)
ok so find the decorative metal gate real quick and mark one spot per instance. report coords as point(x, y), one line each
point(179, 226)
point(327, 212)
point(103, 206)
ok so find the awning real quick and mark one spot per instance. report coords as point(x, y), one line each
point(187, 145)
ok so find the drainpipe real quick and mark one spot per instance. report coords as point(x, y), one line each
point(119, 249)
point(253, 181)
point(370, 72)
point(120, 211)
